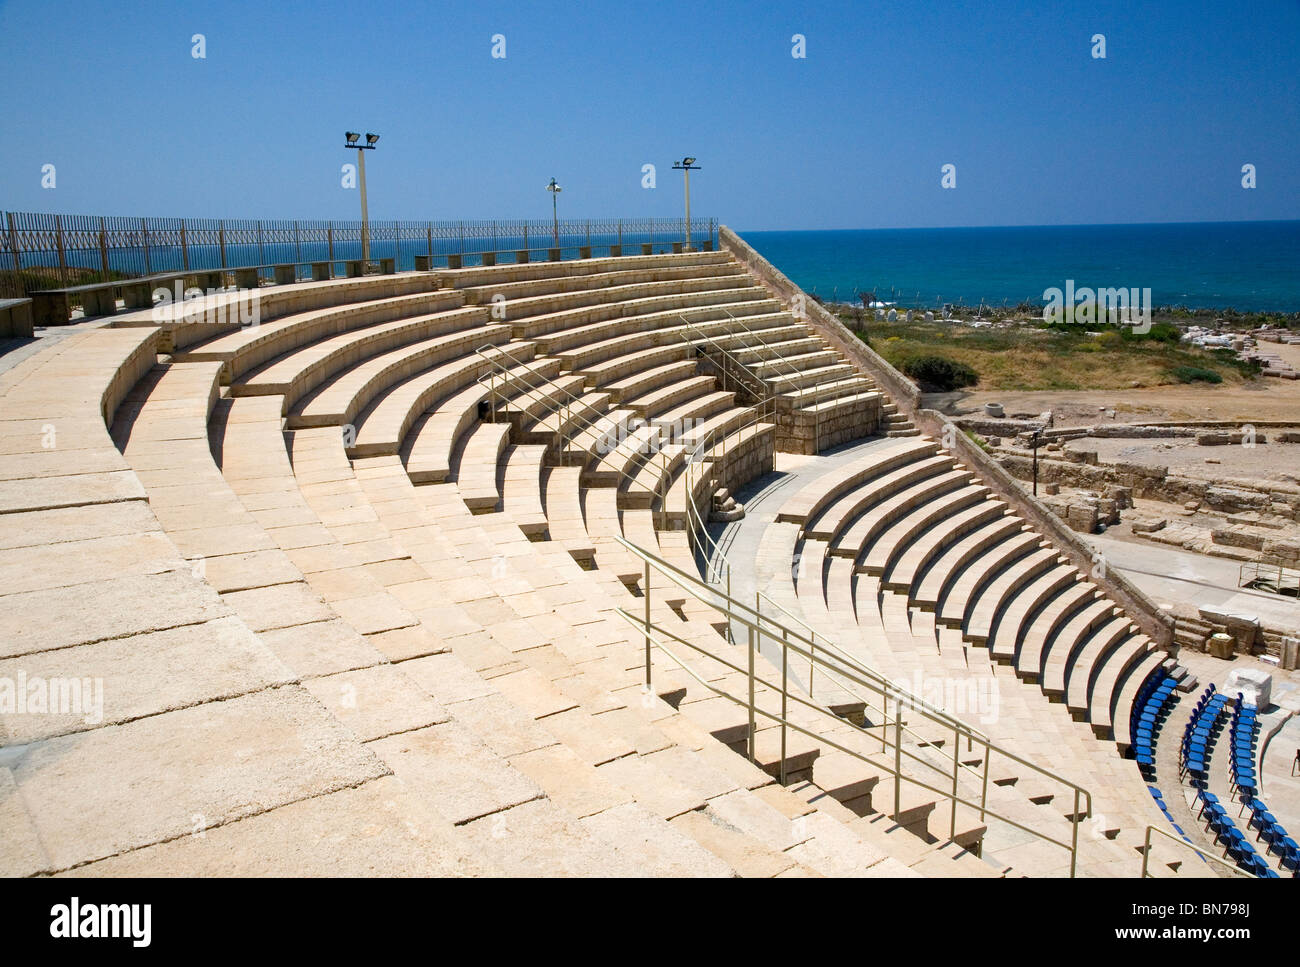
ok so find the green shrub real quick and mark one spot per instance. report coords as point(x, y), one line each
point(1160, 332)
point(939, 374)
point(1247, 367)
point(1194, 374)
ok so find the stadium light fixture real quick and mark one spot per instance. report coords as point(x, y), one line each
point(352, 139)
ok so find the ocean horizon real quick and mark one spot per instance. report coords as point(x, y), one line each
point(1247, 266)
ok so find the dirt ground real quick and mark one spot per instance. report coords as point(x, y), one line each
point(1263, 399)
point(1272, 461)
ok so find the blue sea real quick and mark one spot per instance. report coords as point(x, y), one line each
point(1249, 266)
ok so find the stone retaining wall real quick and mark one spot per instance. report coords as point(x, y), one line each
point(1157, 625)
point(799, 431)
point(901, 389)
point(1229, 496)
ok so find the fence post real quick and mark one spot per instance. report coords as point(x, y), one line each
point(63, 257)
point(144, 231)
point(620, 234)
point(103, 247)
point(221, 238)
point(646, 594)
point(397, 246)
point(13, 243)
point(898, 757)
point(185, 248)
point(1074, 835)
point(261, 256)
point(956, 765)
point(525, 236)
point(752, 750)
point(428, 227)
point(785, 693)
point(330, 233)
point(297, 243)
point(984, 790)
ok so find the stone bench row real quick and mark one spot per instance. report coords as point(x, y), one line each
point(53, 307)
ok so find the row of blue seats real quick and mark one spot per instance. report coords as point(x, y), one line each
point(1159, 797)
point(1236, 846)
point(1149, 713)
point(1241, 767)
point(1211, 712)
point(1245, 737)
point(1200, 734)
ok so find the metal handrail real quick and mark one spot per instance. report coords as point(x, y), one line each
point(550, 396)
point(718, 437)
point(697, 529)
point(783, 720)
point(819, 393)
point(767, 391)
point(875, 680)
point(1146, 854)
point(1260, 569)
point(848, 668)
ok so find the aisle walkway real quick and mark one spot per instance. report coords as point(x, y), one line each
point(739, 541)
point(1169, 575)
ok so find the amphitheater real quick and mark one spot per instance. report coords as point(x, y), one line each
point(441, 573)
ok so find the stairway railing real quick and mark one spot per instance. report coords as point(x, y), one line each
point(820, 395)
point(1146, 854)
point(1282, 578)
point(729, 366)
point(790, 642)
point(501, 376)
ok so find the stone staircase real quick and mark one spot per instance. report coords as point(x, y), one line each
point(352, 584)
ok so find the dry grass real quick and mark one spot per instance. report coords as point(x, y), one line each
point(1026, 358)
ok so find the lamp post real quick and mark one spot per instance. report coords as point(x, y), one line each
point(1036, 441)
point(354, 141)
point(686, 166)
point(555, 190)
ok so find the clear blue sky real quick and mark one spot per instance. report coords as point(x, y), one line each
point(852, 136)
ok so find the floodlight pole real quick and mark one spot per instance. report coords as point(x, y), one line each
point(353, 140)
point(365, 212)
point(686, 166)
point(686, 172)
point(555, 190)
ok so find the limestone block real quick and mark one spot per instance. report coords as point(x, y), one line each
point(1253, 684)
point(1284, 552)
point(1148, 526)
point(1237, 537)
point(1082, 518)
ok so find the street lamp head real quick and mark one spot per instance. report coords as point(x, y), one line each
point(688, 161)
point(372, 139)
point(351, 136)
point(553, 186)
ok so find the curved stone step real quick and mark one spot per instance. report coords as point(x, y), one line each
point(912, 521)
